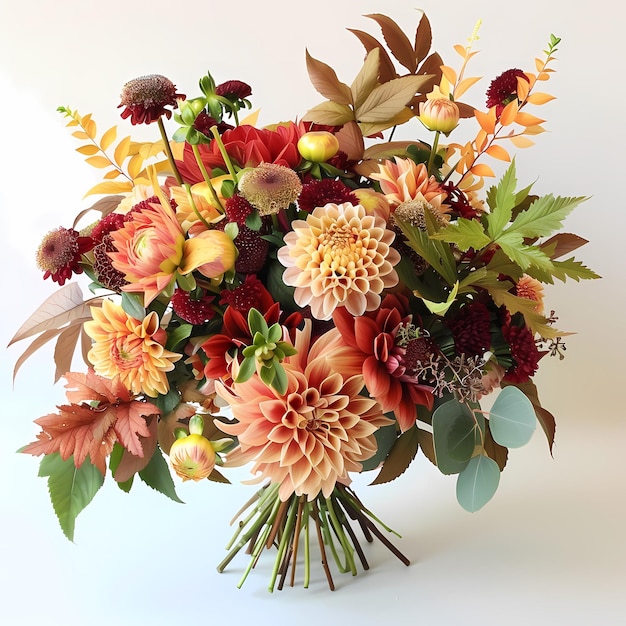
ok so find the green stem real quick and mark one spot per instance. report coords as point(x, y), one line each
point(227, 161)
point(433, 152)
point(307, 549)
point(345, 544)
point(207, 179)
point(284, 541)
point(168, 151)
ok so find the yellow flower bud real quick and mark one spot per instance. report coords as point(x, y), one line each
point(192, 457)
point(439, 114)
point(318, 146)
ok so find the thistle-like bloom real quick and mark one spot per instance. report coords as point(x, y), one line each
point(270, 187)
point(60, 252)
point(146, 97)
point(130, 348)
point(339, 257)
point(310, 437)
point(439, 114)
point(151, 248)
point(192, 457)
point(403, 180)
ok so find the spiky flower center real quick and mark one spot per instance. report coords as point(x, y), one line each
point(57, 250)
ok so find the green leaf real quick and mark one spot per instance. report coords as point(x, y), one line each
point(246, 369)
point(71, 489)
point(454, 436)
point(512, 418)
point(257, 323)
point(512, 244)
point(544, 216)
point(157, 475)
point(132, 303)
point(178, 335)
point(501, 201)
point(477, 483)
point(385, 438)
point(465, 234)
point(570, 268)
point(280, 379)
point(399, 458)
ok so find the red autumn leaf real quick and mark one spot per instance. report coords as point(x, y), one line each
point(101, 412)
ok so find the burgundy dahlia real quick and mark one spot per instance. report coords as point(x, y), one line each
point(524, 352)
point(145, 98)
point(470, 329)
point(321, 192)
point(503, 89)
point(60, 252)
point(234, 90)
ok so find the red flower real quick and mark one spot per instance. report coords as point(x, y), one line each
point(470, 329)
point(234, 90)
point(60, 252)
point(321, 192)
point(146, 97)
point(524, 352)
point(503, 89)
point(193, 308)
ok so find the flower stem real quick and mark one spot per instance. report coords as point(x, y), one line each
point(433, 153)
point(207, 178)
point(168, 151)
point(225, 156)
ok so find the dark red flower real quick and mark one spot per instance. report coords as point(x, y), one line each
point(524, 352)
point(503, 89)
point(204, 122)
point(470, 329)
point(106, 274)
point(146, 97)
point(60, 252)
point(320, 192)
point(234, 90)
point(251, 293)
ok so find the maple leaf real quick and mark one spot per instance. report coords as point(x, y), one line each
point(101, 412)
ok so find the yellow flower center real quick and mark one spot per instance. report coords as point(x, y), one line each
point(341, 249)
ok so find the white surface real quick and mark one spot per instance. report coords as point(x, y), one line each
point(549, 549)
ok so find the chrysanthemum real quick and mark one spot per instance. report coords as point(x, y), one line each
point(270, 187)
point(470, 329)
point(320, 192)
point(60, 252)
point(531, 289)
point(130, 348)
point(524, 352)
point(309, 438)
point(339, 257)
point(403, 180)
point(146, 97)
point(503, 89)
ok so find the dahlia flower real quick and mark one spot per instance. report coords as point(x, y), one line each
point(531, 289)
point(403, 179)
point(339, 257)
point(503, 89)
point(60, 252)
point(146, 97)
point(151, 248)
point(130, 348)
point(310, 437)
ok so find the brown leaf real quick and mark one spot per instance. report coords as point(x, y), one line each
point(388, 99)
point(387, 70)
point(399, 457)
point(367, 78)
point(43, 339)
point(495, 451)
point(372, 128)
point(130, 464)
point(427, 445)
point(104, 206)
point(563, 243)
point(396, 40)
point(325, 81)
point(423, 38)
point(386, 150)
point(351, 140)
point(64, 349)
point(329, 113)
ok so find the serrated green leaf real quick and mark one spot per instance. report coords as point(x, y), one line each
point(544, 216)
point(512, 418)
point(71, 489)
point(512, 244)
point(157, 475)
point(465, 234)
point(570, 268)
point(501, 202)
point(477, 483)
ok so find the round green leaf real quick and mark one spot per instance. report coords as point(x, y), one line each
point(477, 483)
point(512, 419)
point(453, 436)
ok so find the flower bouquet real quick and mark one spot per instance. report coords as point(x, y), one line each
point(312, 298)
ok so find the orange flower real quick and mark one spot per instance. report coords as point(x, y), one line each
point(439, 114)
point(403, 179)
point(309, 438)
point(531, 289)
point(151, 248)
point(131, 349)
point(340, 256)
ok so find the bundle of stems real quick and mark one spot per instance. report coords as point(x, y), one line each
point(287, 525)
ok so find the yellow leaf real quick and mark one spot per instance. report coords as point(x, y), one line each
point(366, 79)
point(98, 161)
point(88, 149)
point(372, 128)
point(325, 81)
point(387, 100)
point(440, 308)
point(534, 130)
point(461, 50)
point(122, 150)
point(498, 152)
point(148, 150)
point(110, 188)
point(90, 128)
point(108, 138)
point(449, 73)
point(522, 142)
point(79, 134)
point(134, 165)
point(251, 119)
point(508, 113)
point(539, 98)
point(114, 173)
point(464, 85)
point(523, 87)
point(526, 119)
point(330, 113)
point(482, 170)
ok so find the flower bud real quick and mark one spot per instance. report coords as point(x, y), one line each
point(439, 114)
point(318, 146)
point(192, 456)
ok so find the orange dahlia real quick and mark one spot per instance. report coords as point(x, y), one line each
point(131, 349)
point(339, 257)
point(310, 437)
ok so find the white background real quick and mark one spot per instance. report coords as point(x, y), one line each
point(548, 549)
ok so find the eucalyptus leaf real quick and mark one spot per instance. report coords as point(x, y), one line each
point(477, 483)
point(454, 436)
point(512, 419)
point(132, 303)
